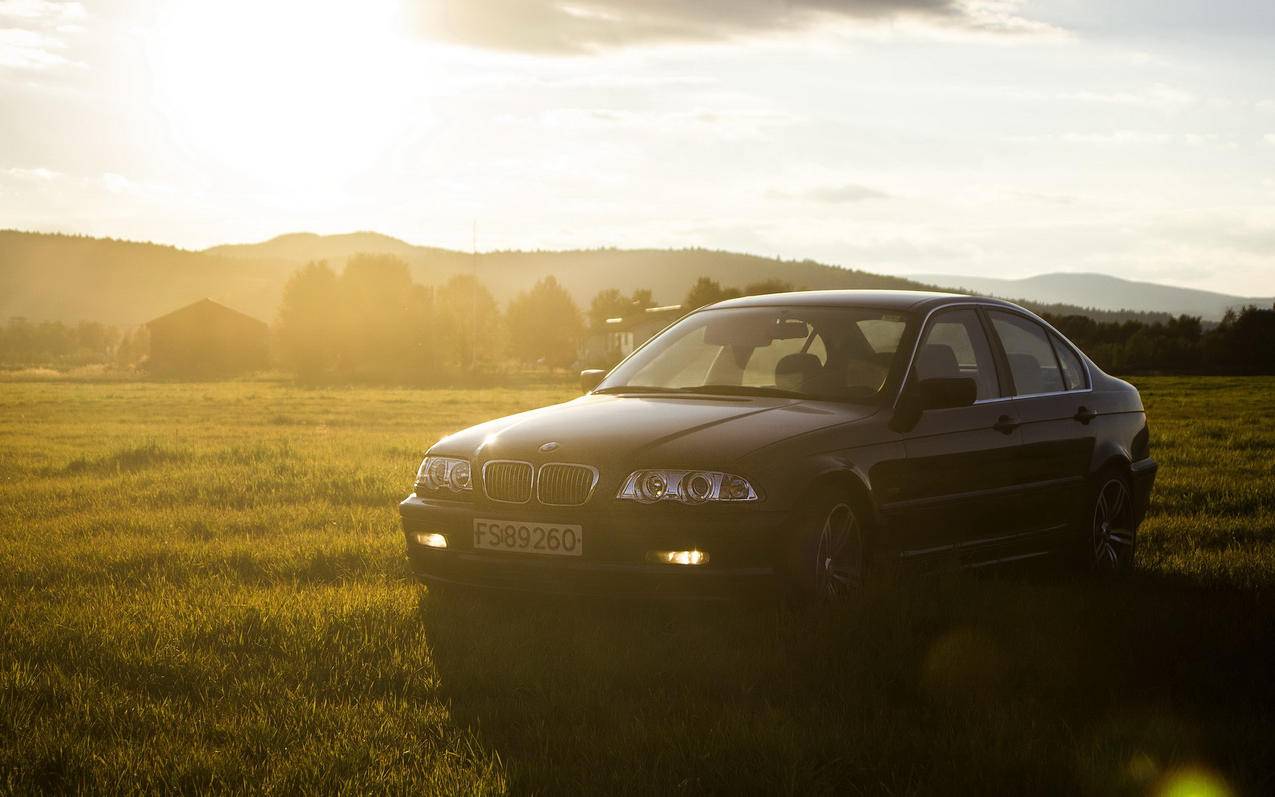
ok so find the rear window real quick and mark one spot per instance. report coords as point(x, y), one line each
point(1032, 361)
point(1073, 372)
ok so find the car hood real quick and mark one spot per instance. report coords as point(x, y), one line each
point(690, 431)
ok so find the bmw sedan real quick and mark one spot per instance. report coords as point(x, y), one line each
point(797, 441)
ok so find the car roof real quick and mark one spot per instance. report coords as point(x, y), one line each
point(916, 301)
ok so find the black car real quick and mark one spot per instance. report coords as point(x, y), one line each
point(797, 440)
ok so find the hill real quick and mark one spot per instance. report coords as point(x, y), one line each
point(668, 273)
point(72, 278)
point(1103, 292)
point(46, 277)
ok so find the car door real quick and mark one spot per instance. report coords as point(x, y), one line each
point(959, 468)
point(1050, 386)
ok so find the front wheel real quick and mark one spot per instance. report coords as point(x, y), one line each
point(827, 562)
point(1112, 535)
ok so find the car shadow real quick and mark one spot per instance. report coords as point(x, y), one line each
point(1025, 681)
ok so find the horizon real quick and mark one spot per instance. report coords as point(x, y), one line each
point(926, 279)
point(992, 139)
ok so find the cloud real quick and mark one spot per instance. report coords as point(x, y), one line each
point(835, 194)
point(38, 174)
point(31, 33)
point(1269, 138)
point(1129, 138)
point(580, 26)
point(42, 11)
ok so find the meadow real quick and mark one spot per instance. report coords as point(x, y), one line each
point(203, 588)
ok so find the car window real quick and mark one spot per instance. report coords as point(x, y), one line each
point(1073, 372)
point(954, 347)
point(832, 353)
point(686, 362)
point(760, 370)
point(1031, 357)
point(883, 334)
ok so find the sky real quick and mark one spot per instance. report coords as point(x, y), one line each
point(984, 137)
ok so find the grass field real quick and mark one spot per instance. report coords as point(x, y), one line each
point(203, 587)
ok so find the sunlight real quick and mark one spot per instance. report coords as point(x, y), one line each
point(287, 93)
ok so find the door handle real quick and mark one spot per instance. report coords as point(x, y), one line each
point(1085, 415)
point(1005, 424)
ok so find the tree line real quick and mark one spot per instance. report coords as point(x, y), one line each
point(1241, 343)
point(371, 322)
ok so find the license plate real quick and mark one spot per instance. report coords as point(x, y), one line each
point(554, 539)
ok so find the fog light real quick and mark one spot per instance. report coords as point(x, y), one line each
point(432, 540)
point(691, 557)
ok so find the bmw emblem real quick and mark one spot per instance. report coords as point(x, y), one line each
point(550, 446)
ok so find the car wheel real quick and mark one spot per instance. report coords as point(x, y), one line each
point(828, 565)
point(1112, 536)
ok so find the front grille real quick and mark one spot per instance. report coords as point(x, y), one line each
point(565, 485)
point(506, 481)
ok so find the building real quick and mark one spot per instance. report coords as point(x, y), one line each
point(206, 339)
point(620, 336)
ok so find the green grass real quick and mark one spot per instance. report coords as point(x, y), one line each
point(202, 587)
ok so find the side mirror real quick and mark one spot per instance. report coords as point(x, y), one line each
point(932, 394)
point(940, 394)
point(590, 378)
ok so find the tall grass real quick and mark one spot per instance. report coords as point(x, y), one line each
point(203, 587)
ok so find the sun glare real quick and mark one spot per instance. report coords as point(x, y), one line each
point(287, 94)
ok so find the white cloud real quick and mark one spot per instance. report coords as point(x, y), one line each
point(1269, 138)
point(833, 194)
point(39, 174)
point(42, 11)
point(583, 26)
point(32, 33)
point(28, 49)
point(1159, 96)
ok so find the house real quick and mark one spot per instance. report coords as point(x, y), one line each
point(620, 336)
point(206, 339)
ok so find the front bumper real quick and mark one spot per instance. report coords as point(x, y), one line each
point(742, 543)
point(1142, 475)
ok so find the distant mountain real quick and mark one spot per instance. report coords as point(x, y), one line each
point(1102, 292)
point(668, 273)
point(72, 278)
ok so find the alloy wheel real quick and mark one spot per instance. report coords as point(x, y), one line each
point(838, 555)
point(1112, 528)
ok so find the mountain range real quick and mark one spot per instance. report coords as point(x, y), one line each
point(69, 278)
point(1102, 292)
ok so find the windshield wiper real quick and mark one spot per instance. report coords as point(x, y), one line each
point(742, 390)
point(636, 389)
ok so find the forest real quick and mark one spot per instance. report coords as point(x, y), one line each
point(370, 322)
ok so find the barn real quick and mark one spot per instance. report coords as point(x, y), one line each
point(206, 339)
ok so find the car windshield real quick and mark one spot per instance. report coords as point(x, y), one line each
point(833, 353)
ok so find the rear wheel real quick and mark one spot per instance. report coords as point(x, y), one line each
point(827, 564)
point(1112, 536)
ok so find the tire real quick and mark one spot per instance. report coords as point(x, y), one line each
point(1109, 537)
point(827, 562)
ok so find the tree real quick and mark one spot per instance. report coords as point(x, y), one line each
point(385, 329)
point(468, 321)
point(308, 326)
point(610, 303)
point(544, 325)
point(707, 291)
point(772, 285)
point(642, 299)
point(133, 347)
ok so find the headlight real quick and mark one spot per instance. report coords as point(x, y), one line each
point(444, 473)
point(686, 486)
